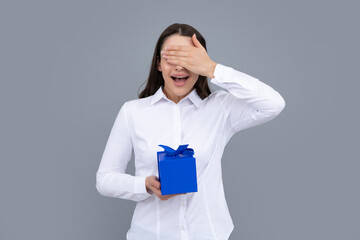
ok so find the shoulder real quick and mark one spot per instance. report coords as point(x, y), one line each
point(135, 106)
point(136, 103)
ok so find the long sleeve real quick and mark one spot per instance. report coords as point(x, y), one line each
point(111, 180)
point(250, 102)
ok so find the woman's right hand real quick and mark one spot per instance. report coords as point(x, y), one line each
point(153, 185)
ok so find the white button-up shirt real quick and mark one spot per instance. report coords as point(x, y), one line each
point(206, 125)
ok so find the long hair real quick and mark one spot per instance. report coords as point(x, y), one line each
point(155, 79)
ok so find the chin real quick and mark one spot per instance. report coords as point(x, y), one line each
point(182, 92)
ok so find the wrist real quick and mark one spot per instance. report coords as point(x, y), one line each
point(212, 70)
point(146, 185)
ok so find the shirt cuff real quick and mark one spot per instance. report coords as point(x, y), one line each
point(220, 72)
point(139, 185)
point(226, 75)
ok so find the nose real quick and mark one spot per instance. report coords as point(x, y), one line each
point(178, 68)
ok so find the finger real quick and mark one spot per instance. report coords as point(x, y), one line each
point(157, 192)
point(185, 59)
point(175, 53)
point(163, 197)
point(160, 196)
point(184, 48)
point(176, 194)
point(178, 62)
point(173, 195)
point(196, 41)
point(156, 185)
point(166, 197)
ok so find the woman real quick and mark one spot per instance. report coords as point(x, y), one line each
point(177, 107)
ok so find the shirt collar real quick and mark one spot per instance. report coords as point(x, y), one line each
point(193, 96)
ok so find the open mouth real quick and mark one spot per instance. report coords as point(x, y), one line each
point(177, 79)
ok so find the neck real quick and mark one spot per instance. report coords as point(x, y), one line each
point(175, 98)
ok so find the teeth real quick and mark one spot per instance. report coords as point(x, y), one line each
point(179, 77)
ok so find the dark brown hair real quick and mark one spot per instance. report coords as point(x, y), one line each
point(155, 79)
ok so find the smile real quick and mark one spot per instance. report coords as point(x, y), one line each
point(180, 78)
point(179, 81)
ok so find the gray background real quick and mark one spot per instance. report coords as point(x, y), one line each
point(68, 66)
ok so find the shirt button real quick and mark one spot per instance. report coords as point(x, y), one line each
point(183, 228)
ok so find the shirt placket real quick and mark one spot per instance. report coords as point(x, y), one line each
point(177, 125)
point(182, 198)
point(182, 221)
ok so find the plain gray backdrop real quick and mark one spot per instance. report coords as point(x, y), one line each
point(68, 66)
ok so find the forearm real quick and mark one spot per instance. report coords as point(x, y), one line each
point(251, 102)
point(111, 183)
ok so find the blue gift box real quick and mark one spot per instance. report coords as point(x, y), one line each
point(177, 170)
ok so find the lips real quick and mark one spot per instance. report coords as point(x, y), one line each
point(179, 80)
point(179, 77)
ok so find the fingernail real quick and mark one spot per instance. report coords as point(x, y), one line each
point(165, 48)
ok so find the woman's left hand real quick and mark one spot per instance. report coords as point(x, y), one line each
point(194, 59)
